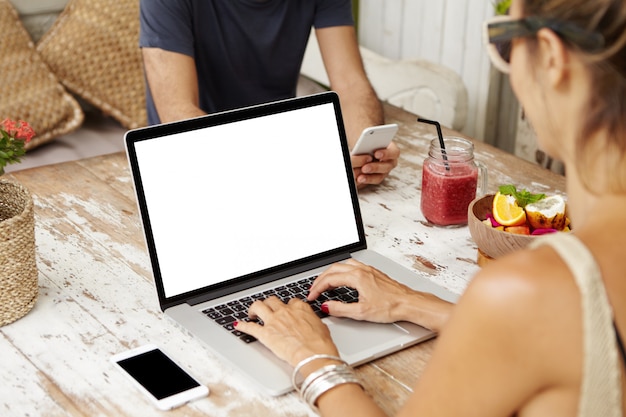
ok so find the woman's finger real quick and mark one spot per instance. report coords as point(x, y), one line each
point(340, 309)
point(337, 275)
point(262, 308)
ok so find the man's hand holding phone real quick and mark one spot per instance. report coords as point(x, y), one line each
point(374, 155)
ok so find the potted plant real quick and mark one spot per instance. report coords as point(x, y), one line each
point(501, 7)
point(18, 268)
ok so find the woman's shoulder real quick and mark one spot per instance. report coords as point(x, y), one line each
point(533, 273)
point(520, 315)
point(532, 297)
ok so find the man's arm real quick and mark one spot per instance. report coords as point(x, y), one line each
point(359, 104)
point(344, 66)
point(173, 83)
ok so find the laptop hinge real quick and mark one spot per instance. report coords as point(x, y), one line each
point(253, 282)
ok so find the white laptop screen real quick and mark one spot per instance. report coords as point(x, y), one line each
point(229, 200)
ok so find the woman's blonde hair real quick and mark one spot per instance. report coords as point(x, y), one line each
point(606, 108)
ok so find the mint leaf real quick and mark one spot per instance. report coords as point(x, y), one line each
point(507, 189)
point(523, 197)
point(530, 198)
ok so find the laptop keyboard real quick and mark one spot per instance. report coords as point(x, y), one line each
point(226, 314)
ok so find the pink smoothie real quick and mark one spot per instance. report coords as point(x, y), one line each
point(447, 194)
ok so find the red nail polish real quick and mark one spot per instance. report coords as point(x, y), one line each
point(235, 324)
point(324, 308)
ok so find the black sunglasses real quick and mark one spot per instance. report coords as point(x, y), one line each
point(501, 30)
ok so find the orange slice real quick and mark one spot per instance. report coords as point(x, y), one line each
point(547, 213)
point(518, 230)
point(506, 211)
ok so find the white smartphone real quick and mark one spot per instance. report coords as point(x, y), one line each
point(373, 138)
point(165, 383)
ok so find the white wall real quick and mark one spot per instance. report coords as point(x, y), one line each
point(447, 32)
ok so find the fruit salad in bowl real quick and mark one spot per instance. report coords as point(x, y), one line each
point(511, 219)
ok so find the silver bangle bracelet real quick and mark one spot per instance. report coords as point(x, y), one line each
point(308, 360)
point(326, 379)
point(317, 374)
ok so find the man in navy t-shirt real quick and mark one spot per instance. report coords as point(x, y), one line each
point(204, 56)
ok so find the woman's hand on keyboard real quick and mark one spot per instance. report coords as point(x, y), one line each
point(292, 331)
point(381, 299)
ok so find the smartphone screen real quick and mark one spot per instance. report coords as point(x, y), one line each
point(160, 376)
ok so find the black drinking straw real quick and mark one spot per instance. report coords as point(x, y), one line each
point(441, 144)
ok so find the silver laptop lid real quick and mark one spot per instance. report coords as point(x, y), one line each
point(240, 198)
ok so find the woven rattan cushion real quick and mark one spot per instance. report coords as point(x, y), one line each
point(93, 48)
point(28, 90)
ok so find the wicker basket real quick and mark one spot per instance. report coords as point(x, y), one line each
point(18, 268)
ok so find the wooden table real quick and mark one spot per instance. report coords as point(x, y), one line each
point(97, 297)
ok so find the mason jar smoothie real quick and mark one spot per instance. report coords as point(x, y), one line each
point(449, 182)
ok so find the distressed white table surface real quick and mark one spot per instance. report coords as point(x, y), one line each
point(97, 297)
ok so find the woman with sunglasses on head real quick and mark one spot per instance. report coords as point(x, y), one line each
point(536, 333)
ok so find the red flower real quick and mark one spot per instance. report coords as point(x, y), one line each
point(13, 136)
point(8, 126)
point(24, 132)
point(18, 130)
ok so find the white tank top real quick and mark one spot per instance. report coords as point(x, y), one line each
point(601, 393)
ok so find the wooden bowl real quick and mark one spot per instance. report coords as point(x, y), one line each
point(490, 241)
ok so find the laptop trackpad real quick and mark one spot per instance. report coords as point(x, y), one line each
point(353, 336)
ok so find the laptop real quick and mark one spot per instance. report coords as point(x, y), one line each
point(256, 201)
